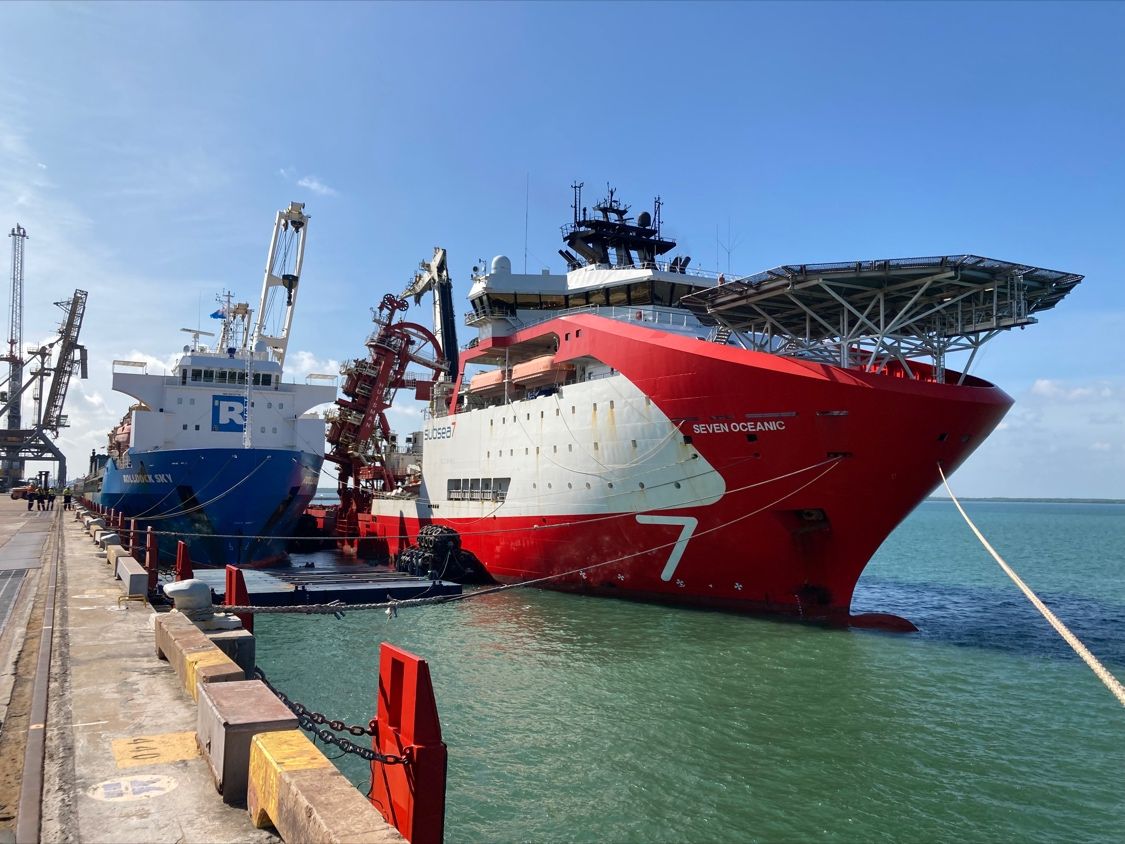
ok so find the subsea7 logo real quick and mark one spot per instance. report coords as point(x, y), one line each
point(228, 413)
point(688, 524)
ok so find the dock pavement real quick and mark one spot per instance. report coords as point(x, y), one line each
point(121, 760)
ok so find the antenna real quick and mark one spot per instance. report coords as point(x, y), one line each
point(196, 334)
point(526, 203)
point(728, 247)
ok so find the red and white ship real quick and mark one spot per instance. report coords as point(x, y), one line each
point(635, 428)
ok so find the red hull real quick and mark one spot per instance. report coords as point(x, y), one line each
point(802, 513)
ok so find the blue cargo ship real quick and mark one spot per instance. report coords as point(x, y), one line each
point(222, 452)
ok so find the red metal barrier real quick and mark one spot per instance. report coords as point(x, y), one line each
point(152, 559)
point(411, 796)
point(236, 595)
point(183, 562)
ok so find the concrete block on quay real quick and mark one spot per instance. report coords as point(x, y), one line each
point(210, 666)
point(133, 577)
point(194, 657)
point(230, 715)
point(107, 539)
point(298, 791)
point(239, 645)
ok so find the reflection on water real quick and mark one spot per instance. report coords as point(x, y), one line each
point(588, 719)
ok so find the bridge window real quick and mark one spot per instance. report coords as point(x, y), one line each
point(477, 489)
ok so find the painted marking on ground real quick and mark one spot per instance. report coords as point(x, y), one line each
point(131, 788)
point(154, 750)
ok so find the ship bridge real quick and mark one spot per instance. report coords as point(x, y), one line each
point(881, 314)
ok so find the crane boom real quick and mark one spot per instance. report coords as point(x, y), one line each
point(71, 357)
point(283, 272)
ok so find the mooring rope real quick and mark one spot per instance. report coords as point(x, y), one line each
point(336, 608)
point(623, 514)
point(188, 511)
point(1100, 670)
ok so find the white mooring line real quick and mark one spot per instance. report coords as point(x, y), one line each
point(1111, 682)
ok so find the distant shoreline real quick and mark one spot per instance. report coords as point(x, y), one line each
point(1035, 500)
point(329, 491)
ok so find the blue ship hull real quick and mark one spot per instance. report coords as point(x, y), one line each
point(230, 505)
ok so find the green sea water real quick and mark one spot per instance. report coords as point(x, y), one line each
point(585, 719)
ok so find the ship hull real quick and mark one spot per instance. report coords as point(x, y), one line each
point(231, 506)
point(693, 473)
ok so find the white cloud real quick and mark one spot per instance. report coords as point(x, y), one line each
point(316, 186)
point(1052, 390)
point(301, 364)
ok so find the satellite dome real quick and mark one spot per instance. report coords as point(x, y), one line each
point(501, 265)
point(644, 220)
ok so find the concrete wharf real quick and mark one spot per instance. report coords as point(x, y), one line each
point(121, 761)
point(103, 746)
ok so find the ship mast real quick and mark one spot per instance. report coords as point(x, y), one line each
point(283, 271)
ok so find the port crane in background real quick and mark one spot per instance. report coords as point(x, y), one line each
point(361, 442)
point(57, 361)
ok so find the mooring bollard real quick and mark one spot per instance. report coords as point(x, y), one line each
point(183, 562)
point(412, 796)
point(236, 594)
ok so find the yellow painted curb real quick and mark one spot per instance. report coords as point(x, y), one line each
point(194, 661)
point(270, 755)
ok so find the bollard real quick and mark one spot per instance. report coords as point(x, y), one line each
point(152, 559)
point(183, 562)
point(236, 594)
point(411, 797)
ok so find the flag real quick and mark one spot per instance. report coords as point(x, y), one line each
point(218, 314)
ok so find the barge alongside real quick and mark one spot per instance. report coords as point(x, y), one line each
point(634, 428)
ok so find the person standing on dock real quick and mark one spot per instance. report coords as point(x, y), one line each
point(66, 493)
point(40, 499)
point(30, 495)
point(52, 494)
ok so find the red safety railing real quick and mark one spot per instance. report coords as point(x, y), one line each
point(183, 562)
point(412, 796)
point(152, 559)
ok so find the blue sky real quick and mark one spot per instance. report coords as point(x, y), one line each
point(146, 147)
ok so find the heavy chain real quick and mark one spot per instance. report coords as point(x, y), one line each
point(311, 721)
